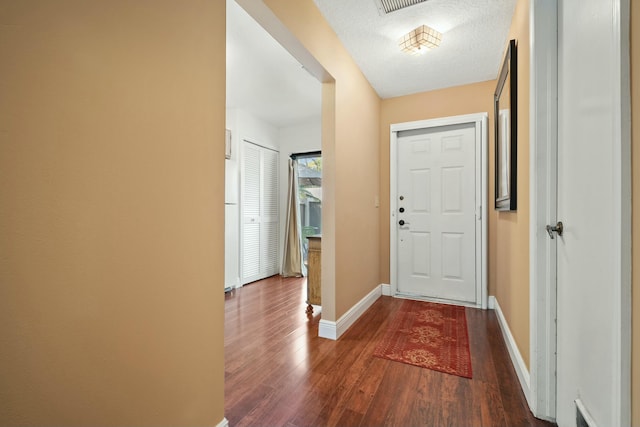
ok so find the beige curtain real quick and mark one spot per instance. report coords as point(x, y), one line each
point(292, 265)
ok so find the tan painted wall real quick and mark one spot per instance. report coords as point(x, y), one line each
point(635, 167)
point(509, 231)
point(455, 101)
point(350, 153)
point(111, 212)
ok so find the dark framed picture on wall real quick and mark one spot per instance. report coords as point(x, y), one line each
point(506, 131)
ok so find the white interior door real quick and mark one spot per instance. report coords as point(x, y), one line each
point(436, 213)
point(269, 218)
point(260, 217)
point(592, 255)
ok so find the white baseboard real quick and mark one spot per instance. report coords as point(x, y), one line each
point(514, 353)
point(223, 423)
point(386, 289)
point(334, 330)
point(327, 329)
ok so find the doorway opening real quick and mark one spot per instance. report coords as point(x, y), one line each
point(273, 109)
point(309, 167)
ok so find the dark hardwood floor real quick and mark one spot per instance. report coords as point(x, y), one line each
point(279, 373)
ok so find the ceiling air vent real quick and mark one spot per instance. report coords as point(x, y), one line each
point(388, 6)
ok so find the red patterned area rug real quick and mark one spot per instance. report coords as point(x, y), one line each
point(428, 335)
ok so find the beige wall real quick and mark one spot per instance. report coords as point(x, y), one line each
point(111, 212)
point(635, 167)
point(509, 231)
point(455, 101)
point(350, 161)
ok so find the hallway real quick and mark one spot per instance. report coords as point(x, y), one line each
point(279, 373)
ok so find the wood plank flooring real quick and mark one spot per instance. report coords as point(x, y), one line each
point(279, 373)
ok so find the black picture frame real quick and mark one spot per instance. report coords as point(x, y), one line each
point(506, 132)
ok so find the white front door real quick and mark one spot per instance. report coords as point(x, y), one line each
point(436, 213)
point(593, 193)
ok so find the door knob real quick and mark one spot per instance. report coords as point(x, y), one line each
point(402, 222)
point(555, 229)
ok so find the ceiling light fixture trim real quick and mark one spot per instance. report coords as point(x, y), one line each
point(415, 42)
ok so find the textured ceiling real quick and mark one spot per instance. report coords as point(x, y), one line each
point(263, 78)
point(474, 37)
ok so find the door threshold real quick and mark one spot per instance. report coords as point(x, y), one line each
point(436, 300)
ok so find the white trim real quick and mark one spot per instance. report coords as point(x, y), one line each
point(542, 199)
point(327, 329)
point(621, 398)
point(480, 120)
point(514, 352)
point(334, 330)
point(482, 240)
point(393, 232)
point(386, 289)
point(223, 423)
point(585, 413)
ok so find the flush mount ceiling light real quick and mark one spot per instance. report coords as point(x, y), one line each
point(419, 40)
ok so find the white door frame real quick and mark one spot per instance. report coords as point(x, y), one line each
point(479, 120)
point(542, 200)
point(543, 186)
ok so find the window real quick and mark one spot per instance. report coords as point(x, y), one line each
point(310, 197)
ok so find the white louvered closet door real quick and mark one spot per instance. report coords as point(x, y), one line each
point(270, 219)
point(260, 212)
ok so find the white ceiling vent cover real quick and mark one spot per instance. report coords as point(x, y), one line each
point(388, 6)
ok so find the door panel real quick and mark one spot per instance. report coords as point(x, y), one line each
point(250, 212)
point(452, 190)
point(588, 252)
point(452, 256)
point(251, 251)
point(421, 243)
point(421, 190)
point(270, 221)
point(436, 188)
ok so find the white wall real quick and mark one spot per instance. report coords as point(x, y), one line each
point(298, 138)
point(252, 128)
point(232, 174)
point(244, 126)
